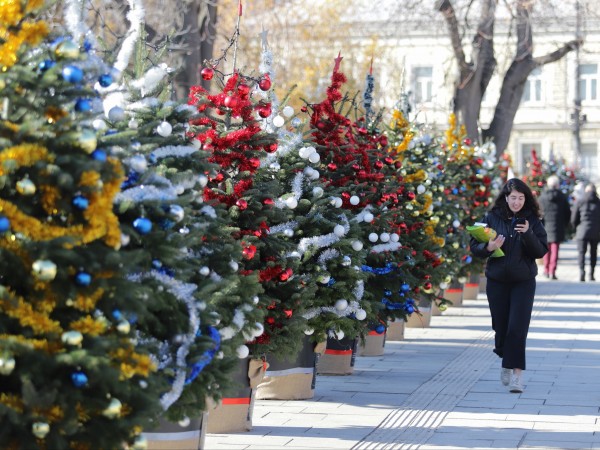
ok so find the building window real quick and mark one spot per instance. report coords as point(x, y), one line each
point(533, 86)
point(589, 160)
point(588, 81)
point(423, 84)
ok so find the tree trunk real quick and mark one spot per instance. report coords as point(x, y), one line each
point(200, 20)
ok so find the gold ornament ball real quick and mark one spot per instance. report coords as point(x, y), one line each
point(44, 270)
point(462, 279)
point(40, 429)
point(7, 365)
point(25, 187)
point(123, 327)
point(434, 219)
point(67, 49)
point(427, 291)
point(455, 244)
point(442, 307)
point(113, 410)
point(2, 84)
point(448, 279)
point(74, 338)
point(85, 140)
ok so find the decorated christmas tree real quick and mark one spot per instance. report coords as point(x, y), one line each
point(202, 306)
point(73, 373)
point(535, 176)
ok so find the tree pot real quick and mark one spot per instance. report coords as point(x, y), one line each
point(290, 379)
point(234, 413)
point(188, 435)
point(338, 358)
point(454, 293)
point(395, 330)
point(422, 320)
point(471, 289)
point(374, 344)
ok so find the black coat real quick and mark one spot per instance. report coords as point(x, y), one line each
point(557, 214)
point(586, 217)
point(520, 249)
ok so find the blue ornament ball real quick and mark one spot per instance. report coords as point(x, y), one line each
point(80, 202)
point(409, 309)
point(83, 279)
point(142, 225)
point(79, 379)
point(83, 105)
point(380, 329)
point(46, 64)
point(405, 287)
point(4, 224)
point(99, 155)
point(105, 80)
point(117, 314)
point(72, 74)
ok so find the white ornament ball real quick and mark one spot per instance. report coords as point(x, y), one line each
point(288, 232)
point(278, 121)
point(234, 266)
point(324, 279)
point(164, 129)
point(385, 237)
point(368, 217)
point(361, 314)
point(421, 189)
point(275, 166)
point(341, 304)
point(309, 331)
point(318, 192)
point(99, 124)
point(291, 202)
point(288, 111)
point(354, 200)
point(462, 279)
point(314, 158)
point(373, 237)
point(255, 299)
point(337, 202)
point(315, 175)
point(258, 329)
point(339, 230)
point(133, 124)
point(357, 246)
point(138, 163)
point(444, 285)
point(456, 224)
point(125, 238)
point(394, 237)
point(242, 351)
point(204, 271)
point(185, 422)
point(340, 334)
point(116, 114)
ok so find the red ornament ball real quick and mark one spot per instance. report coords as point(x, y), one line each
point(243, 89)
point(230, 101)
point(264, 84)
point(378, 164)
point(207, 73)
point(242, 204)
point(264, 111)
point(332, 167)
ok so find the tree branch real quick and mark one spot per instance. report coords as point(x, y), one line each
point(446, 8)
point(559, 53)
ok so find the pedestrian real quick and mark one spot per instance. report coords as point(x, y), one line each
point(510, 290)
point(556, 215)
point(586, 220)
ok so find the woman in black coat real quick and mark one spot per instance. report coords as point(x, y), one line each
point(586, 220)
point(510, 290)
point(557, 215)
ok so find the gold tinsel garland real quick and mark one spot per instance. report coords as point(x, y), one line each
point(132, 363)
point(88, 325)
point(24, 312)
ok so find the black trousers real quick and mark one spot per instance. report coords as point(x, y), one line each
point(510, 306)
point(582, 245)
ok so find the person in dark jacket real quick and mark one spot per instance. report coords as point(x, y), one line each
point(556, 213)
point(586, 220)
point(515, 216)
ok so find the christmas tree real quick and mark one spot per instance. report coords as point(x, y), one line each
point(535, 177)
point(202, 308)
point(72, 372)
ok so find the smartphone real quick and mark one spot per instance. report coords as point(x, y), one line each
point(519, 221)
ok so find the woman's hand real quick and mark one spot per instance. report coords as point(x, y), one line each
point(495, 244)
point(522, 227)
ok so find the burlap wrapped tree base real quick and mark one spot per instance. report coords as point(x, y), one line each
point(234, 413)
point(374, 344)
point(454, 293)
point(422, 320)
point(292, 379)
point(338, 358)
point(471, 289)
point(395, 330)
point(185, 435)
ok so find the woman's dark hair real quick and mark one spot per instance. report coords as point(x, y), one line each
point(514, 184)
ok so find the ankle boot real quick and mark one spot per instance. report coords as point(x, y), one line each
point(592, 275)
point(582, 276)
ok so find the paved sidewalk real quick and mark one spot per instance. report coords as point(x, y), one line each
point(440, 387)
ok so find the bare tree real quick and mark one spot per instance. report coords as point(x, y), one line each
point(475, 73)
